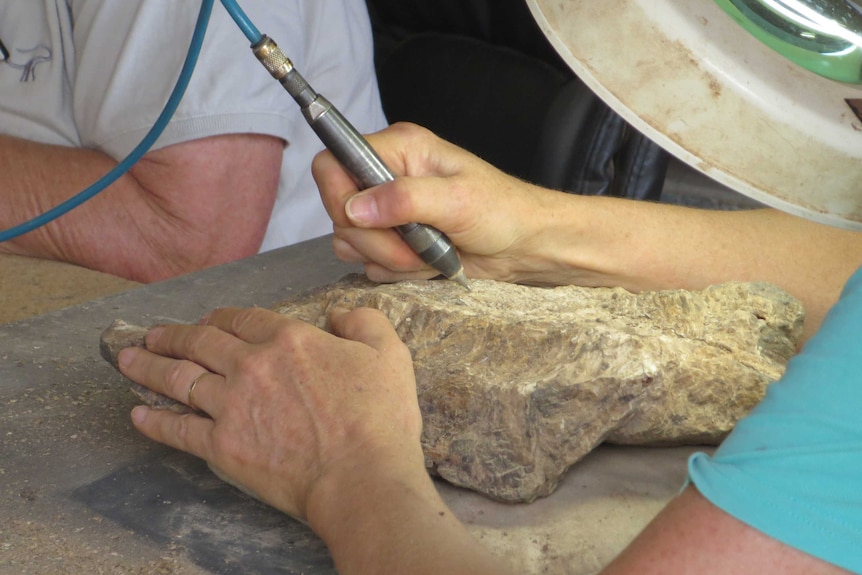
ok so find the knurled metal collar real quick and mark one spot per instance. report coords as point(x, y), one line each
point(272, 58)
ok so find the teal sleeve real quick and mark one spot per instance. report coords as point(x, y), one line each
point(793, 467)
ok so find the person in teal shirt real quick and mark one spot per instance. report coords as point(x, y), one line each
point(326, 426)
point(793, 467)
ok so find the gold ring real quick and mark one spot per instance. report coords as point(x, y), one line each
point(190, 402)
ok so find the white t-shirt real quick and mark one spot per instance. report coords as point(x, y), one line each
point(97, 73)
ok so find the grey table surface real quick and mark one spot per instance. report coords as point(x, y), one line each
point(82, 492)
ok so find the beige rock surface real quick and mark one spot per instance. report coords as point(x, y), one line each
point(516, 383)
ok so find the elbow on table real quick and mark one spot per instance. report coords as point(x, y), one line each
point(170, 257)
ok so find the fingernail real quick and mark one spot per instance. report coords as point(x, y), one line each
point(153, 336)
point(338, 311)
point(124, 358)
point(205, 319)
point(139, 414)
point(362, 209)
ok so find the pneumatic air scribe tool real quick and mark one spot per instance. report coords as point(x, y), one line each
point(355, 154)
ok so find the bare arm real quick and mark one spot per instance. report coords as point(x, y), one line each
point(509, 230)
point(691, 535)
point(645, 246)
point(386, 516)
point(322, 427)
point(179, 209)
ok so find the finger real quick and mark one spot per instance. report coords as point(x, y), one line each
point(412, 150)
point(365, 325)
point(374, 271)
point(382, 246)
point(439, 202)
point(205, 345)
point(425, 189)
point(392, 204)
point(174, 378)
point(202, 393)
point(188, 432)
point(335, 185)
point(251, 325)
point(346, 252)
point(380, 274)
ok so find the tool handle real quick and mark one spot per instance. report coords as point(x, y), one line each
point(355, 153)
point(346, 144)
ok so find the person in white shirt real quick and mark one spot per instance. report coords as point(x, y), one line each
point(230, 176)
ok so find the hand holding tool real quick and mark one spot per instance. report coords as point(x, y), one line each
point(357, 155)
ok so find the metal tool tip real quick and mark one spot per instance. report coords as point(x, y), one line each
point(461, 278)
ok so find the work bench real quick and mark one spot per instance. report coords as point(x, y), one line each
point(82, 492)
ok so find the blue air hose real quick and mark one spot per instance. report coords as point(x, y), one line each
point(251, 32)
point(170, 107)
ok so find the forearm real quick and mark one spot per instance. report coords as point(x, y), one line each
point(105, 230)
point(161, 219)
point(691, 535)
point(643, 246)
point(391, 520)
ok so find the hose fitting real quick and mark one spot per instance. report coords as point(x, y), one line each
point(272, 58)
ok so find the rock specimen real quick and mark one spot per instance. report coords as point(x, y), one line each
point(518, 383)
point(120, 335)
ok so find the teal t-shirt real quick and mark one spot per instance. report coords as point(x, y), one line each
point(793, 467)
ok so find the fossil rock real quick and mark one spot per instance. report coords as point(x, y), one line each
point(518, 383)
point(120, 335)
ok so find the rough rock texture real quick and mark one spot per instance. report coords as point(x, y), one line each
point(518, 383)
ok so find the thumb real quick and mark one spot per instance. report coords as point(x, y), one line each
point(407, 199)
point(363, 211)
